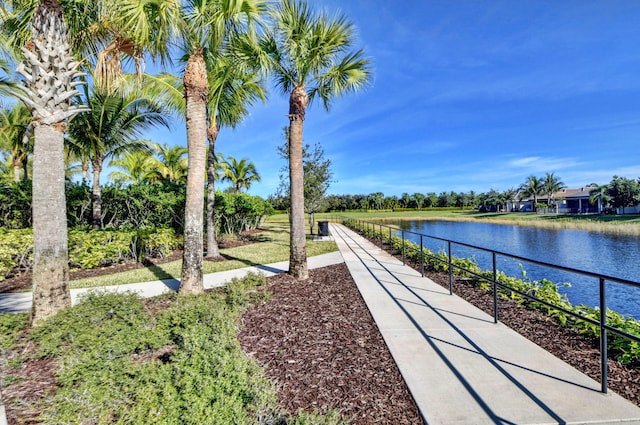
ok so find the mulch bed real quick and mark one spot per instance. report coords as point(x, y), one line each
point(320, 345)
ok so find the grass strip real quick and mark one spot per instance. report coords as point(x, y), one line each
point(273, 247)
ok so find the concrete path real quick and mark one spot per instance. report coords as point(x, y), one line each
point(460, 367)
point(20, 302)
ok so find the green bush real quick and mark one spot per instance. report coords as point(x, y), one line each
point(118, 363)
point(239, 212)
point(88, 248)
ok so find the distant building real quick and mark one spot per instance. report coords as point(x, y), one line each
point(565, 201)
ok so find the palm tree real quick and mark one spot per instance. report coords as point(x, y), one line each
point(598, 196)
point(171, 164)
point(133, 167)
point(14, 137)
point(207, 26)
point(532, 187)
point(240, 173)
point(50, 73)
point(234, 85)
point(310, 57)
point(113, 126)
point(552, 184)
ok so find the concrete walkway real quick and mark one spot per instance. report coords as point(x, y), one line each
point(20, 302)
point(460, 367)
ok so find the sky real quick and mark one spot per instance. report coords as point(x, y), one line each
point(468, 95)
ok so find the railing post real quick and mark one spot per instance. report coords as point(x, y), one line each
point(603, 336)
point(390, 239)
point(421, 256)
point(450, 270)
point(403, 262)
point(495, 289)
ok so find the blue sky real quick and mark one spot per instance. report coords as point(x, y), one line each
point(469, 95)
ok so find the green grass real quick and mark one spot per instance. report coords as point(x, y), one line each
point(165, 360)
point(272, 248)
point(628, 224)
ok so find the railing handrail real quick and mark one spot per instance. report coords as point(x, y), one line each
point(514, 256)
point(601, 323)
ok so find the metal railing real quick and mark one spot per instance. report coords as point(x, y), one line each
point(604, 328)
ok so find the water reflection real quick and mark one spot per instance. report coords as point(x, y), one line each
point(614, 255)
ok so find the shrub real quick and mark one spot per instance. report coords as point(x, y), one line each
point(119, 363)
point(239, 212)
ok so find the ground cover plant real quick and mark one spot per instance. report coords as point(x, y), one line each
point(115, 358)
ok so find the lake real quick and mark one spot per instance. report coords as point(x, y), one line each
point(615, 255)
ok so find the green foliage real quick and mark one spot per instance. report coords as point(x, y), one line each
point(239, 212)
point(625, 350)
point(16, 251)
point(120, 364)
point(88, 248)
point(144, 205)
point(11, 325)
point(15, 205)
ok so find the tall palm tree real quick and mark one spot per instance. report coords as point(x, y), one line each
point(533, 187)
point(15, 138)
point(552, 184)
point(240, 173)
point(207, 26)
point(171, 163)
point(133, 167)
point(114, 125)
point(234, 85)
point(310, 56)
point(50, 72)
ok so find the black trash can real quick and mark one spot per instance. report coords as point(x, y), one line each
point(323, 228)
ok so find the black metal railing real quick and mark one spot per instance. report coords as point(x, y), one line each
point(376, 229)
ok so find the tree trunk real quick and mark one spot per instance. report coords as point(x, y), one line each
point(17, 168)
point(298, 249)
point(50, 246)
point(213, 251)
point(96, 194)
point(196, 92)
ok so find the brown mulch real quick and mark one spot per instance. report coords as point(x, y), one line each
point(320, 345)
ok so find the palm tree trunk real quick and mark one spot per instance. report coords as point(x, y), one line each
point(298, 249)
point(213, 251)
point(17, 168)
point(196, 92)
point(50, 250)
point(96, 194)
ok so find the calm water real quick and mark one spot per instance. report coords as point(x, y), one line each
point(609, 254)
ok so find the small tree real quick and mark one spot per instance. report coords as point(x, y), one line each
point(316, 178)
point(623, 192)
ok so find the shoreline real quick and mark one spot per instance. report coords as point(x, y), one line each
point(552, 222)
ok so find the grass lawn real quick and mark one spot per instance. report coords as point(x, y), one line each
point(273, 247)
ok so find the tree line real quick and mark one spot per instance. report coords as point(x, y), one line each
point(620, 192)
